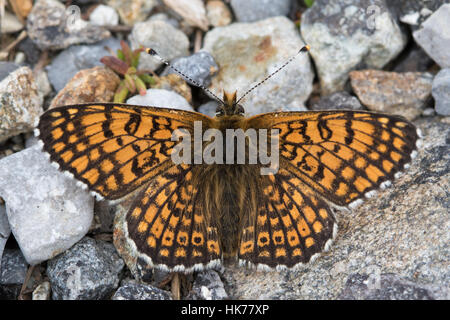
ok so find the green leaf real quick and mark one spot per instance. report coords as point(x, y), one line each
point(121, 93)
point(147, 79)
point(120, 55)
point(308, 3)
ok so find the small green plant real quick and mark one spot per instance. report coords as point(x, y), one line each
point(125, 64)
point(308, 3)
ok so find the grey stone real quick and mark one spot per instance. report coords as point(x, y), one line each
point(10, 23)
point(87, 271)
point(434, 37)
point(155, 34)
point(414, 60)
point(31, 50)
point(76, 58)
point(140, 291)
point(6, 68)
point(47, 211)
point(132, 11)
point(348, 35)
point(248, 52)
point(414, 12)
point(5, 230)
point(161, 98)
point(20, 103)
point(254, 10)
point(42, 83)
point(104, 15)
point(200, 67)
point(441, 92)
point(402, 231)
point(166, 18)
point(209, 108)
point(50, 26)
point(338, 101)
point(13, 269)
point(208, 286)
point(383, 287)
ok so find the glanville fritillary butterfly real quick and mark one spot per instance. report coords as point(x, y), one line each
point(188, 217)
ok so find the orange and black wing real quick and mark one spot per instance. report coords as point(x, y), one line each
point(342, 155)
point(111, 148)
point(291, 224)
point(168, 226)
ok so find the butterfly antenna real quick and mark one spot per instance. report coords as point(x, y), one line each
point(153, 53)
point(304, 49)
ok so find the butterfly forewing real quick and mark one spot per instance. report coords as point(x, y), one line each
point(113, 149)
point(341, 155)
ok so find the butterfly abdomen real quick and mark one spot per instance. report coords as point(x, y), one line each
point(228, 201)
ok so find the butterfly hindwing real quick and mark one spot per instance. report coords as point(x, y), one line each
point(167, 224)
point(112, 148)
point(291, 225)
point(342, 155)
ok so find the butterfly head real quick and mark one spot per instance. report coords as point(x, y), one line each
point(229, 107)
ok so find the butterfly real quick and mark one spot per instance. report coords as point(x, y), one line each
point(190, 216)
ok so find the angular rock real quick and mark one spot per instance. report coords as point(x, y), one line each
point(140, 291)
point(137, 266)
point(384, 287)
point(174, 82)
point(192, 11)
point(87, 271)
point(10, 23)
point(414, 12)
point(405, 94)
point(434, 37)
point(76, 58)
point(255, 10)
point(345, 35)
point(218, 13)
point(155, 34)
point(104, 15)
point(20, 103)
point(249, 52)
point(5, 230)
point(13, 269)
point(200, 67)
point(42, 83)
point(97, 84)
point(132, 11)
point(31, 50)
point(414, 60)
point(161, 98)
point(441, 92)
point(6, 68)
point(209, 108)
point(51, 27)
point(42, 291)
point(47, 211)
point(402, 230)
point(208, 286)
point(338, 101)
